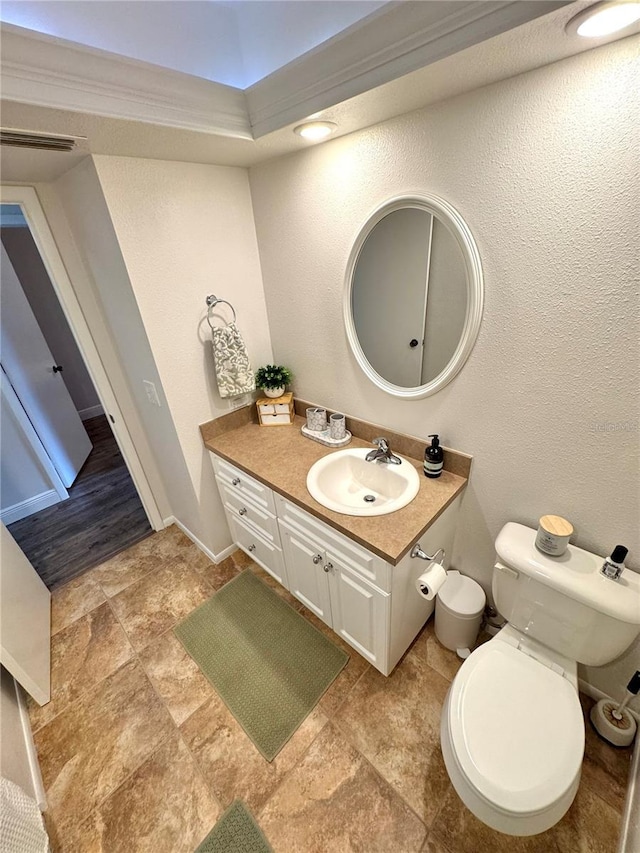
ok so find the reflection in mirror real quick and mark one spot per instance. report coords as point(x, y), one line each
point(409, 297)
point(413, 296)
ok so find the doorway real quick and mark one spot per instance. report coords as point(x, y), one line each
point(67, 496)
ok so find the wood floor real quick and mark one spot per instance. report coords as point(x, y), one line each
point(102, 516)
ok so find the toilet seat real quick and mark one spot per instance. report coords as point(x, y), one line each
point(516, 729)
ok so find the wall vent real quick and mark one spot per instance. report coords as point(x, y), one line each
point(25, 139)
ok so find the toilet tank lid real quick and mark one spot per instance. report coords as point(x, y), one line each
point(575, 574)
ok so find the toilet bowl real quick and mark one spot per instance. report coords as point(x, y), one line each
point(512, 730)
point(512, 735)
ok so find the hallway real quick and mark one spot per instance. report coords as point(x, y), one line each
point(102, 516)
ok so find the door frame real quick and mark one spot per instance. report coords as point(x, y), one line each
point(27, 198)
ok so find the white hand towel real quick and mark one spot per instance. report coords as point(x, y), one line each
point(233, 369)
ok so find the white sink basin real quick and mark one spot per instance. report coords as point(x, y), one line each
point(345, 482)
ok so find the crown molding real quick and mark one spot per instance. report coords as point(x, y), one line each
point(400, 38)
point(49, 72)
point(43, 71)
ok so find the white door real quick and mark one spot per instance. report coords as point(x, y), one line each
point(28, 363)
point(390, 295)
point(25, 620)
point(305, 569)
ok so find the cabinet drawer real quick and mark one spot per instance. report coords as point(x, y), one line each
point(266, 554)
point(243, 484)
point(369, 566)
point(275, 419)
point(274, 409)
point(238, 505)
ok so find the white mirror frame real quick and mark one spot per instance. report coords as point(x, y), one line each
point(452, 220)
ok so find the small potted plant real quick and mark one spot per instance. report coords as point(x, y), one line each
point(273, 379)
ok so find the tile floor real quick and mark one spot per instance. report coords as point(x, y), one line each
point(138, 753)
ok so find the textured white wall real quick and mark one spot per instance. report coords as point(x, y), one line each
point(187, 230)
point(80, 222)
point(544, 169)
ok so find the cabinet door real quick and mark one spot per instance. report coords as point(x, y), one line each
point(360, 613)
point(305, 569)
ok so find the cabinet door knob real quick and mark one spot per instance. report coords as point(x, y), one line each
point(328, 567)
point(413, 343)
point(251, 548)
point(235, 481)
point(317, 559)
point(57, 368)
point(242, 511)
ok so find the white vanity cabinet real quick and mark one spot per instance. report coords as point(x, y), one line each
point(371, 604)
point(250, 511)
point(342, 583)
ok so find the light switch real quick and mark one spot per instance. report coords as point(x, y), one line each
point(152, 394)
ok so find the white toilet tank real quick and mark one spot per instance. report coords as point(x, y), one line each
point(564, 602)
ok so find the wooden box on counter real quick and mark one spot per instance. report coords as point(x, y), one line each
point(275, 411)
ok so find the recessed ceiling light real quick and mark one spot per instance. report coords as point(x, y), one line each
point(315, 130)
point(603, 19)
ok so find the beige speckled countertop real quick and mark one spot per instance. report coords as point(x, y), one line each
point(281, 456)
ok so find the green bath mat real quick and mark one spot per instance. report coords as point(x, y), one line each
point(269, 665)
point(235, 832)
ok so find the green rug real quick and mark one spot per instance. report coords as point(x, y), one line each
point(235, 832)
point(269, 665)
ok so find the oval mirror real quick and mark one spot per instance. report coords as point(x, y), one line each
point(413, 296)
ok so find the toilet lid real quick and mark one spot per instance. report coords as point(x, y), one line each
point(517, 728)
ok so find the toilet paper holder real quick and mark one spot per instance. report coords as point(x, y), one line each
point(417, 551)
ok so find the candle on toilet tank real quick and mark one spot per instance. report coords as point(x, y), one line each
point(553, 536)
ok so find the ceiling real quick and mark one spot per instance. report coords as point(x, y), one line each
point(401, 57)
point(235, 43)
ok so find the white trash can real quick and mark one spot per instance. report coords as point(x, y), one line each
point(459, 608)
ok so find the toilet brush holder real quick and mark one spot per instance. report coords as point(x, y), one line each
point(618, 732)
point(613, 721)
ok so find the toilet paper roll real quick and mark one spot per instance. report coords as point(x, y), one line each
point(431, 580)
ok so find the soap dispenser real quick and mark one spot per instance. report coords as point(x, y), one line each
point(614, 564)
point(433, 458)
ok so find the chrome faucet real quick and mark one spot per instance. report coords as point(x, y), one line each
point(382, 453)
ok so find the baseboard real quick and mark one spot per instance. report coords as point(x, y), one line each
point(216, 558)
point(28, 507)
point(91, 412)
point(34, 767)
point(596, 694)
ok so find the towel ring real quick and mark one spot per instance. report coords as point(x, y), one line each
point(212, 301)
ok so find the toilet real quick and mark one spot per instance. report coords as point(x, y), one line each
point(512, 730)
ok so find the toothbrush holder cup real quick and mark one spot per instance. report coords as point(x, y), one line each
point(337, 426)
point(317, 419)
